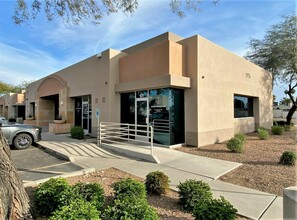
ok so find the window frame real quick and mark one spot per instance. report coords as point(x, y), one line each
point(250, 106)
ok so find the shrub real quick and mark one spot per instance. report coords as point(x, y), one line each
point(287, 127)
point(263, 133)
point(77, 132)
point(157, 183)
point(219, 209)
point(235, 145)
point(91, 192)
point(192, 191)
point(240, 136)
point(277, 130)
point(52, 195)
point(129, 188)
point(131, 208)
point(288, 158)
point(77, 209)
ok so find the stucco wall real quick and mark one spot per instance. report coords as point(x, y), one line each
point(221, 74)
point(161, 59)
point(93, 76)
point(191, 100)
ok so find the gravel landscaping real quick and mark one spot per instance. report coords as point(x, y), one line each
point(166, 205)
point(261, 169)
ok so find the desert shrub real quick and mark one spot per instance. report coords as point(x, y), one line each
point(218, 209)
point(240, 136)
point(192, 191)
point(77, 209)
point(131, 208)
point(288, 158)
point(277, 130)
point(77, 132)
point(129, 188)
point(52, 195)
point(287, 127)
point(157, 183)
point(263, 133)
point(235, 145)
point(91, 192)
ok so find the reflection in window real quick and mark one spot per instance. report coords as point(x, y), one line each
point(141, 94)
point(243, 106)
point(166, 113)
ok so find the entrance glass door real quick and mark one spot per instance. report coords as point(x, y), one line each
point(83, 113)
point(85, 117)
point(142, 118)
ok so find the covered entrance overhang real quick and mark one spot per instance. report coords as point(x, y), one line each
point(155, 82)
point(51, 101)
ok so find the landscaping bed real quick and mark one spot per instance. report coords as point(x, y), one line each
point(261, 169)
point(166, 205)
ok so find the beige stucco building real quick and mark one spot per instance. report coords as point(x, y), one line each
point(12, 105)
point(203, 92)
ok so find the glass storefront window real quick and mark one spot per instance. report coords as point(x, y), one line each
point(165, 113)
point(141, 94)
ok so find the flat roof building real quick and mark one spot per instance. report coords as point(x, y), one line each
point(199, 92)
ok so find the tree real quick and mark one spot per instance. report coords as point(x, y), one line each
point(276, 52)
point(285, 101)
point(14, 201)
point(5, 87)
point(77, 11)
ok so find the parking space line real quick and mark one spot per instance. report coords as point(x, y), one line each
point(38, 168)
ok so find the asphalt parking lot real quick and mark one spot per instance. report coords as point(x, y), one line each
point(35, 164)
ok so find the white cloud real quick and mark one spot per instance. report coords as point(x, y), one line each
point(30, 63)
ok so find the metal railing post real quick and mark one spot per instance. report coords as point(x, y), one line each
point(128, 132)
point(152, 140)
point(100, 136)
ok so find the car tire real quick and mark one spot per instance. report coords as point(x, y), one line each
point(22, 141)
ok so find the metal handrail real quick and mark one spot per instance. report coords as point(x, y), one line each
point(113, 132)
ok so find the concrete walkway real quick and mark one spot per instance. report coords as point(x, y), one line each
point(178, 166)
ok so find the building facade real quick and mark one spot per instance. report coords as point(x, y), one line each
point(196, 91)
point(12, 105)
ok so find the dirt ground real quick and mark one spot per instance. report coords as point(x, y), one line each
point(261, 169)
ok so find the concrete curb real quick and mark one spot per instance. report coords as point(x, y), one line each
point(56, 153)
point(75, 173)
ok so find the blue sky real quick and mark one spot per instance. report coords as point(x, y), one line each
point(35, 51)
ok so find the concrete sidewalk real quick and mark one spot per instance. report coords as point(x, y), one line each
point(178, 166)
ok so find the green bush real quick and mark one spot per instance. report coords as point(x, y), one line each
point(130, 208)
point(77, 132)
point(218, 209)
point(129, 188)
point(235, 145)
point(52, 195)
point(91, 192)
point(157, 183)
point(240, 136)
point(288, 158)
point(263, 133)
point(277, 130)
point(192, 191)
point(77, 209)
point(287, 127)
